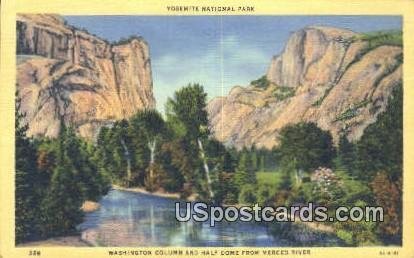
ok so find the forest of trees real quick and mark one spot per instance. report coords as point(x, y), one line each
point(53, 178)
point(177, 153)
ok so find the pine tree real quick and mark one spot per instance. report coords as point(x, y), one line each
point(347, 155)
point(61, 207)
point(286, 184)
point(27, 198)
point(91, 181)
point(262, 166)
point(228, 162)
point(381, 146)
point(245, 173)
point(254, 160)
point(115, 145)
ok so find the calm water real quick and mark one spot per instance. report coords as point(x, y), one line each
point(135, 219)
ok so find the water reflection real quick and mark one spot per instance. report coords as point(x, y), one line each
point(135, 219)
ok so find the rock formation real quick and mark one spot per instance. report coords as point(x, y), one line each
point(333, 77)
point(66, 74)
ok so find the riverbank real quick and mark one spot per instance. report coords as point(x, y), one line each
point(316, 226)
point(72, 241)
point(128, 218)
point(142, 190)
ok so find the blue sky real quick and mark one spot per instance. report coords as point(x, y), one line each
point(187, 49)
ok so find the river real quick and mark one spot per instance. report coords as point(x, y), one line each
point(137, 219)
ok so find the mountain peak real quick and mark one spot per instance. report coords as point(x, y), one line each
point(324, 75)
point(332, 31)
point(67, 74)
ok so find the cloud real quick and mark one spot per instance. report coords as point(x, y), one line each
point(219, 67)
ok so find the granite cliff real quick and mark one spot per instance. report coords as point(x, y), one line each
point(336, 78)
point(66, 74)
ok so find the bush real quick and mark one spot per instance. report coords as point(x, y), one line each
point(306, 179)
point(352, 111)
point(388, 194)
point(307, 191)
point(346, 236)
point(123, 41)
point(265, 194)
point(360, 233)
point(262, 82)
point(282, 92)
point(381, 146)
point(379, 38)
point(247, 195)
point(306, 145)
point(225, 191)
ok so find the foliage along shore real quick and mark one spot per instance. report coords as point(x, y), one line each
point(178, 154)
point(143, 191)
point(69, 241)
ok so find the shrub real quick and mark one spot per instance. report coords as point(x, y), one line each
point(388, 195)
point(225, 191)
point(265, 194)
point(352, 111)
point(262, 82)
point(381, 146)
point(306, 145)
point(283, 92)
point(346, 236)
point(379, 38)
point(127, 40)
point(247, 195)
point(360, 233)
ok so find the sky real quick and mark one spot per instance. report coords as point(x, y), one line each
point(219, 52)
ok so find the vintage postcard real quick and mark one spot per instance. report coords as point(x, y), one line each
point(207, 129)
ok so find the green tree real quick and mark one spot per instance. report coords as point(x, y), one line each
point(347, 155)
point(93, 183)
point(245, 174)
point(254, 159)
point(229, 162)
point(265, 194)
point(187, 109)
point(115, 154)
point(381, 146)
point(174, 164)
point(262, 82)
point(61, 206)
point(47, 151)
point(248, 194)
point(262, 164)
point(225, 189)
point(361, 233)
point(27, 199)
point(286, 184)
point(80, 154)
point(307, 145)
point(123, 153)
point(146, 131)
point(103, 153)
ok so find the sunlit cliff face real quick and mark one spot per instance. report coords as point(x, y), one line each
point(67, 74)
